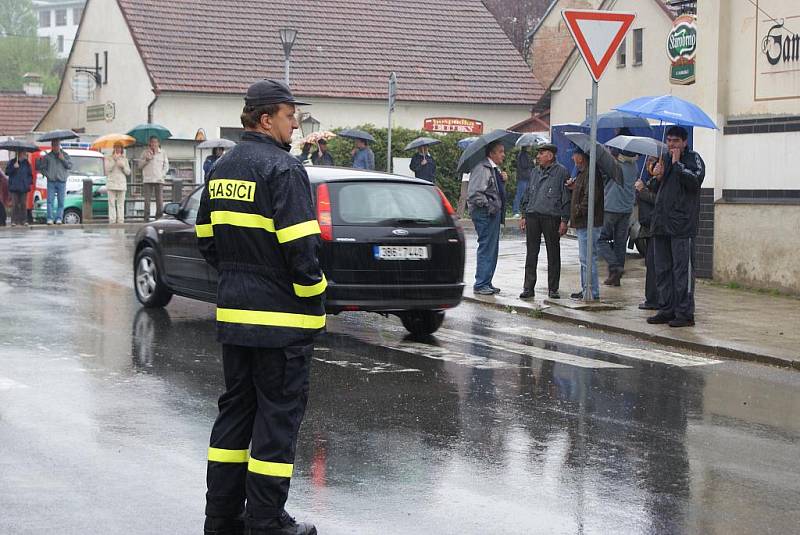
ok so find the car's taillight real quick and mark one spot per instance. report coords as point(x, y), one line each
point(324, 212)
point(446, 203)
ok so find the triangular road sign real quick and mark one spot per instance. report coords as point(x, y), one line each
point(598, 34)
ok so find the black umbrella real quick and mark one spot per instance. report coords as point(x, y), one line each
point(476, 152)
point(59, 135)
point(18, 145)
point(618, 119)
point(422, 142)
point(357, 134)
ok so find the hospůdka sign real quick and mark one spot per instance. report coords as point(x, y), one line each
point(453, 124)
point(681, 49)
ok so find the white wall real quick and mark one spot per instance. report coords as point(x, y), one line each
point(761, 161)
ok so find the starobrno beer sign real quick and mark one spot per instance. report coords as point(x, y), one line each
point(681, 49)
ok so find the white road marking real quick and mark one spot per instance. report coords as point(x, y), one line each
point(660, 356)
point(10, 384)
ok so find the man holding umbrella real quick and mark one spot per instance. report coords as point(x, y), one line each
point(55, 165)
point(423, 164)
point(363, 157)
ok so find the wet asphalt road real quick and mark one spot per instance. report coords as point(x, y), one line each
point(498, 424)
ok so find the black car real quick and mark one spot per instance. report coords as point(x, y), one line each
point(391, 244)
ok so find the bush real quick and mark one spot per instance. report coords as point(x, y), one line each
point(446, 155)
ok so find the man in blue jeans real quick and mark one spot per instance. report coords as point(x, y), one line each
point(55, 166)
point(485, 207)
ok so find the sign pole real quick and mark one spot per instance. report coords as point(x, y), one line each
point(392, 98)
point(587, 290)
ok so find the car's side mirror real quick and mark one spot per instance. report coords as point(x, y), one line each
point(173, 209)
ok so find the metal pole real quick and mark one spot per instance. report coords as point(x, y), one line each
point(389, 143)
point(587, 290)
point(286, 69)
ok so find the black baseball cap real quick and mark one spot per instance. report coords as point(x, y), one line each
point(266, 92)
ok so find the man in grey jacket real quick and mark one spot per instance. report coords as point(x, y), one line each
point(55, 166)
point(619, 200)
point(545, 207)
point(485, 205)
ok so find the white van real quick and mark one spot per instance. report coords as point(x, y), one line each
point(85, 164)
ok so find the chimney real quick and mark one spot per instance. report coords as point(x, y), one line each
point(32, 84)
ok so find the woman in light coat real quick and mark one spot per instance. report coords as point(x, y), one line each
point(117, 171)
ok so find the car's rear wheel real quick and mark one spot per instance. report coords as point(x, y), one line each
point(150, 288)
point(421, 322)
point(72, 217)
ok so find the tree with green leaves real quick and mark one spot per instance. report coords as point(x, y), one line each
point(21, 50)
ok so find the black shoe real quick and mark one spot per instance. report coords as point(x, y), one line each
point(613, 279)
point(217, 525)
point(679, 322)
point(647, 306)
point(494, 289)
point(526, 294)
point(659, 319)
point(576, 295)
point(553, 294)
point(284, 525)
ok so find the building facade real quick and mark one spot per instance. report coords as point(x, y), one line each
point(58, 22)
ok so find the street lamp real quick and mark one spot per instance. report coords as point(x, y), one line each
point(288, 35)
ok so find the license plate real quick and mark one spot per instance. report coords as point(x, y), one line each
point(400, 252)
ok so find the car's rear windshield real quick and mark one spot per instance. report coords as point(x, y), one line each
point(386, 203)
point(87, 166)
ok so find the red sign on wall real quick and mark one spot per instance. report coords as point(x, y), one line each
point(453, 124)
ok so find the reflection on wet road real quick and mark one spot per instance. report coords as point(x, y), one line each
point(497, 424)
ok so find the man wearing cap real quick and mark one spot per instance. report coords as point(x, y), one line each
point(545, 207)
point(256, 226)
point(322, 156)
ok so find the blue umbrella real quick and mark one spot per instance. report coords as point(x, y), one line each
point(476, 150)
point(618, 119)
point(669, 109)
point(464, 143)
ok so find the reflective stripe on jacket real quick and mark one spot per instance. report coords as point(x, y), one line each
point(257, 226)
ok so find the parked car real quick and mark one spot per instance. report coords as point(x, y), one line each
point(73, 204)
point(390, 244)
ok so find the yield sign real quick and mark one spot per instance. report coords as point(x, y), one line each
point(598, 34)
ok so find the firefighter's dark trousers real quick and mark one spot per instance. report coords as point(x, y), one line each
point(261, 409)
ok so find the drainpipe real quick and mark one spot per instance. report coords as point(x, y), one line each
point(150, 107)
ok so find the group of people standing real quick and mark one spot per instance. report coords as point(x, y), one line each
point(549, 201)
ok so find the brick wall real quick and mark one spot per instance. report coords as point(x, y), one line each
point(704, 247)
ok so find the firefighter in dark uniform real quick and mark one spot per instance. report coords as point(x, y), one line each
point(256, 226)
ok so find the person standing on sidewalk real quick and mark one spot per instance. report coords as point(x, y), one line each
point(545, 207)
point(524, 170)
point(363, 157)
point(20, 181)
point(619, 200)
point(117, 171)
point(257, 227)
point(55, 166)
point(646, 200)
point(485, 206)
point(423, 164)
point(675, 221)
point(155, 165)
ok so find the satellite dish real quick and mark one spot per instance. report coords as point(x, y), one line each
point(83, 85)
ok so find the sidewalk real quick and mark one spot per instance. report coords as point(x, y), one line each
point(737, 324)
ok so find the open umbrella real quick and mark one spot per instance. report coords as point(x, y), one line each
point(59, 135)
point(638, 144)
point(422, 142)
point(531, 140)
point(216, 144)
point(18, 145)
point(669, 109)
point(109, 140)
point(144, 132)
point(466, 142)
point(476, 150)
point(357, 134)
point(618, 119)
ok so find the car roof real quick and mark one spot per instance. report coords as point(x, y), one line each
point(319, 173)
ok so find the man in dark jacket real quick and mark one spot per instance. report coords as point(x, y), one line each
point(20, 180)
point(674, 227)
point(322, 156)
point(545, 207)
point(423, 164)
point(256, 226)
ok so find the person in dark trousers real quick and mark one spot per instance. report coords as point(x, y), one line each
point(674, 225)
point(20, 181)
point(646, 199)
point(545, 207)
point(322, 156)
point(423, 164)
point(256, 226)
point(619, 201)
point(485, 205)
point(216, 152)
point(524, 170)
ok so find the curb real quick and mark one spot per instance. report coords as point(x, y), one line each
point(716, 350)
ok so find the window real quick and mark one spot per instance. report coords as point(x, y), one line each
point(637, 46)
point(77, 13)
point(44, 42)
point(61, 17)
point(191, 206)
point(44, 18)
point(621, 53)
point(382, 204)
point(60, 46)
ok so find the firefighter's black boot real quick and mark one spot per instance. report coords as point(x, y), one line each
point(284, 525)
point(216, 525)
